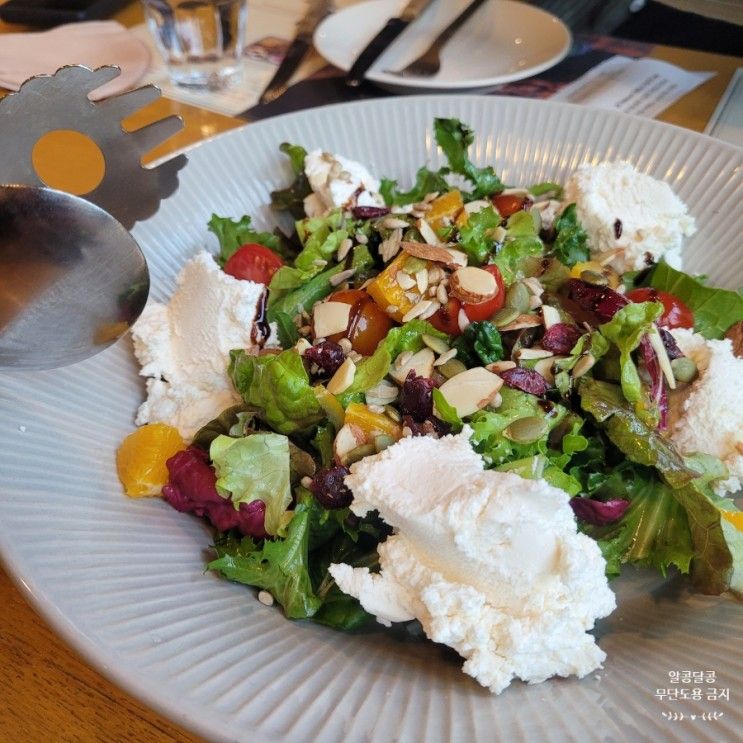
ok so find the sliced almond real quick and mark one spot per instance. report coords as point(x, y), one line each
point(462, 320)
point(427, 232)
point(417, 310)
point(437, 253)
point(421, 363)
point(330, 318)
point(534, 302)
point(473, 285)
point(527, 354)
point(500, 366)
point(472, 207)
point(545, 368)
point(421, 279)
point(534, 285)
point(343, 378)
point(550, 316)
point(348, 438)
point(522, 322)
point(404, 280)
point(471, 390)
point(302, 345)
point(448, 356)
point(660, 351)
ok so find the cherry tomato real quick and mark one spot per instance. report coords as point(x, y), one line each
point(253, 262)
point(508, 204)
point(484, 310)
point(368, 323)
point(675, 314)
point(446, 319)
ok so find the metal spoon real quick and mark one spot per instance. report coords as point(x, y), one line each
point(72, 278)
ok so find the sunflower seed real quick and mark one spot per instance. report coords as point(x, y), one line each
point(437, 345)
point(417, 310)
point(343, 248)
point(584, 364)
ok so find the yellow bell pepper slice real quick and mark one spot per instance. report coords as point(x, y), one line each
point(371, 423)
point(445, 207)
point(388, 294)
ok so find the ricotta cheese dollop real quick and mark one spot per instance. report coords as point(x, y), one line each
point(625, 210)
point(184, 346)
point(490, 564)
point(707, 416)
point(337, 182)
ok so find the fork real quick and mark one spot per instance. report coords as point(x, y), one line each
point(429, 63)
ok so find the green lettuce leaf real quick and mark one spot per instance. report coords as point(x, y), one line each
point(713, 567)
point(479, 344)
point(286, 329)
point(625, 331)
point(547, 187)
point(475, 237)
point(279, 566)
point(426, 181)
point(488, 427)
point(653, 532)
point(255, 468)
point(445, 412)
point(278, 388)
point(571, 243)
point(292, 197)
point(234, 234)
point(370, 371)
point(302, 298)
point(454, 138)
point(521, 244)
point(409, 337)
point(715, 310)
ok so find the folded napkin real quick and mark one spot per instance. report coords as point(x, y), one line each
point(91, 43)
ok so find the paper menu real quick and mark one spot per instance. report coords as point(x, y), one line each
point(643, 87)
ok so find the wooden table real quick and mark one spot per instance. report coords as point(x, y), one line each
point(48, 692)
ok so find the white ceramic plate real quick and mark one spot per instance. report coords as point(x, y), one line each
point(502, 42)
point(123, 580)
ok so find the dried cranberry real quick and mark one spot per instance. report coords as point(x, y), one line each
point(669, 343)
point(416, 397)
point(526, 380)
point(617, 228)
point(560, 338)
point(328, 487)
point(601, 300)
point(326, 358)
point(599, 513)
point(430, 427)
point(369, 212)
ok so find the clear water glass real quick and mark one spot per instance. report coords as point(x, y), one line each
point(201, 41)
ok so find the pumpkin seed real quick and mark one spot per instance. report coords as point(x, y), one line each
point(684, 369)
point(517, 296)
point(526, 430)
point(393, 413)
point(505, 316)
point(383, 441)
point(359, 453)
point(451, 368)
point(594, 277)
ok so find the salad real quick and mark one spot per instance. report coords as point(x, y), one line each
point(456, 309)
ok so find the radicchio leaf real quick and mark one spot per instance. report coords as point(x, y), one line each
point(191, 489)
point(599, 513)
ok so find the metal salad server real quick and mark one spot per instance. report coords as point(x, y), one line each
point(72, 278)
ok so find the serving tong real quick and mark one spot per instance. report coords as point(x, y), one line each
point(72, 278)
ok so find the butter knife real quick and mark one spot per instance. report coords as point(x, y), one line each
point(374, 49)
point(316, 11)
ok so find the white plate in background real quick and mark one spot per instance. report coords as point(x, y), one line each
point(502, 42)
point(123, 580)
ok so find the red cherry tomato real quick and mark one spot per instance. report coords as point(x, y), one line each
point(508, 204)
point(368, 324)
point(675, 314)
point(484, 310)
point(446, 319)
point(253, 262)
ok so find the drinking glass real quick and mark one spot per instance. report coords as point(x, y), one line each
point(201, 41)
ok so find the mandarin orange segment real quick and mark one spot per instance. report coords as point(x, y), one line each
point(445, 207)
point(140, 460)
